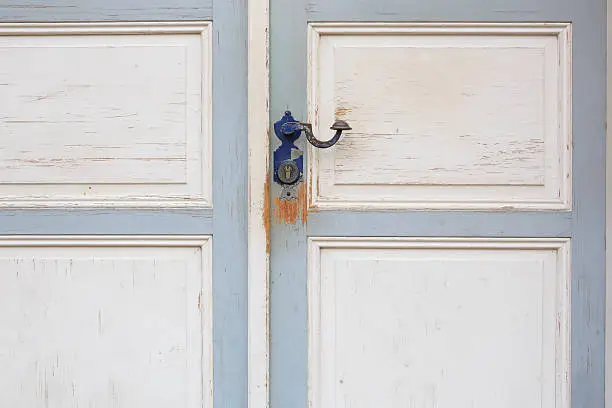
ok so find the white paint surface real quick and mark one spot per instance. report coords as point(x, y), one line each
point(427, 323)
point(105, 322)
point(96, 117)
point(449, 116)
point(259, 220)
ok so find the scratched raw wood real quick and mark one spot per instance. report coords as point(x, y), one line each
point(292, 211)
point(105, 324)
point(439, 323)
point(488, 132)
point(105, 117)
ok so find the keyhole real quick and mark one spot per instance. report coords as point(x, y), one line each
point(288, 173)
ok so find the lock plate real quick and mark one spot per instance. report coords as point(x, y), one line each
point(288, 193)
point(288, 158)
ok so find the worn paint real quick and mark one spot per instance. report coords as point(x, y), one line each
point(438, 307)
point(292, 211)
point(425, 140)
point(192, 367)
point(107, 221)
point(266, 212)
point(310, 206)
point(61, 10)
point(131, 148)
point(47, 281)
point(231, 126)
point(342, 112)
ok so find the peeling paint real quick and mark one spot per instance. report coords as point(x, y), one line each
point(290, 211)
point(103, 143)
point(309, 187)
point(341, 112)
point(266, 212)
point(393, 160)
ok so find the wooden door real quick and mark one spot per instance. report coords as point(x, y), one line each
point(123, 137)
point(448, 251)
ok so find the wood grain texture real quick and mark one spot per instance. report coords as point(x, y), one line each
point(288, 342)
point(108, 221)
point(110, 10)
point(231, 202)
point(439, 322)
point(117, 115)
point(452, 116)
point(259, 204)
point(109, 321)
point(608, 363)
point(440, 224)
point(445, 11)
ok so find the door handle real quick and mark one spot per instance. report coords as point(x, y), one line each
point(289, 128)
point(288, 160)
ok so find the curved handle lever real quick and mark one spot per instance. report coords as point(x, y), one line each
point(339, 126)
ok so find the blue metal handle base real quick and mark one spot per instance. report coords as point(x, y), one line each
point(287, 152)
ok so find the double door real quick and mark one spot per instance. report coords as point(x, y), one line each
point(447, 251)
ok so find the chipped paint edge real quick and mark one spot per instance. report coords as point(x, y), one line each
point(205, 297)
point(562, 247)
point(259, 204)
point(608, 322)
point(561, 30)
point(104, 28)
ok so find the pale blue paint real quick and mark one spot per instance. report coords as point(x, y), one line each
point(106, 222)
point(108, 10)
point(440, 224)
point(230, 197)
point(288, 342)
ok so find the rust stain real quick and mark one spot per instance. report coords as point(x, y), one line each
point(292, 211)
point(199, 301)
point(309, 184)
point(310, 207)
point(266, 212)
point(303, 200)
point(341, 112)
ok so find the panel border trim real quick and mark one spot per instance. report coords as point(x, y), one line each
point(563, 291)
point(203, 242)
point(105, 28)
point(561, 30)
point(201, 28)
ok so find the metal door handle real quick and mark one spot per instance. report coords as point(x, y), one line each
point(290, 127)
